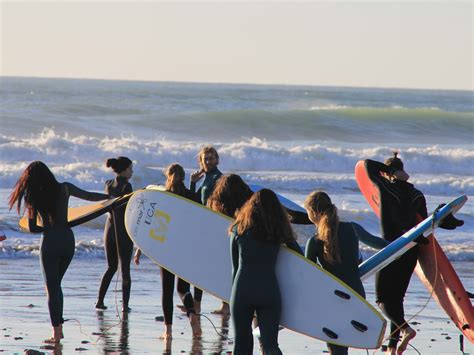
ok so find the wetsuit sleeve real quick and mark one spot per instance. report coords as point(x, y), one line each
point(293, 245)
point(32, 224)
point(234, 254)
point(192, 187)
point(297, 217)
point(421, 203)
point(311, 251)
point(367, 238)
point(374, 168)
point(73, 190)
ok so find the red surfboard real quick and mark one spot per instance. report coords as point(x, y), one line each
point(433, 268)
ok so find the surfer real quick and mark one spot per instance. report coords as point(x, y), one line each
point(336, 245)
point(117, 243)
point(208, 159)
point(400, 203)
point(261, 226)
point(43, 195)
point(230, 193)
point(175, 183)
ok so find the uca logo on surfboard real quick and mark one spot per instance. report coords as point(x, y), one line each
point(156, 219)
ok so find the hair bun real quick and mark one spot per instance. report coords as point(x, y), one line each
point(111, 162)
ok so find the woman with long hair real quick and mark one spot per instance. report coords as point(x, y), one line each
point(118, 245)
point(336, 245)
point(229, 195)
point(261, 226)
point(175, 183)
point(46, 198)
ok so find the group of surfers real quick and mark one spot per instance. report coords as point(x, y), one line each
point(261, 225)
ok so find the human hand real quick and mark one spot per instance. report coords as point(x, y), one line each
point(197, 175)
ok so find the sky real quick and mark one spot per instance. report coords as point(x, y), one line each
point(402, 44)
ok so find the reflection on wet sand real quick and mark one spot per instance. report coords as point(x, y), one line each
point(107, 331)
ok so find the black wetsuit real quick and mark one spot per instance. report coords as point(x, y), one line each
point(168, 279)
point(400, 203)
point(205, 191)
point(114, 251)
point(57, 246)
point(349, 235)
point(255, 289)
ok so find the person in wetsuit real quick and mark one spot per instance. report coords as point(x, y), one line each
point(175, 183)
point(336, 245)
point(261, 226)
point(45, 196)
point(230, 193)
point(208, 159)
point(400, 203)
point(118, 245)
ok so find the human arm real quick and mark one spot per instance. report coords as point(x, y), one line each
point(73, 190)
point(374, 170)
point(32, 222)
point(293, 245)
point(367, 238)
point(311, 250)
point(297, 217)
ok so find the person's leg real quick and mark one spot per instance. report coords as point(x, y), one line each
point(197, 299)
point(393, 310)
point(337, 349)
point(167, 282)
point(125, 255)
point(64, 263)
point(112, 264)
point(50, 269)
point(242, 315)
point(268, 322)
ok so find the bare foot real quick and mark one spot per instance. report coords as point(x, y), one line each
point(166, 336)
point(195, 325)
point(408, 334)
point(52, 340)
point(181, 308)
point(225, 309)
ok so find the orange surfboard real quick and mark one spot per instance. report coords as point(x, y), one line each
point(434, 269)
point(82, 214)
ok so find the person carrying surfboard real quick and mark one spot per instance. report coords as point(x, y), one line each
point(261, 226)
point(208, 159)
point(47, 198)
point(175, 183)
point(336, 245)
point(400, 203)
point(230, 193)
point(118, 245)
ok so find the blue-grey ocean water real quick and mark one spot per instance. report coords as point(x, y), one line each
point(293, 139)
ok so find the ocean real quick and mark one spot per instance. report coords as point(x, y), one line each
point(293, 139)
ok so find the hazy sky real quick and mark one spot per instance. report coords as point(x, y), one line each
point(379, 44)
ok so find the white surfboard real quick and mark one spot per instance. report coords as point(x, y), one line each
point(192, 242)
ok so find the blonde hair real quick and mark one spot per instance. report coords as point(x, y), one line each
point(208, 149)
point(175, 179)
point(319, 203)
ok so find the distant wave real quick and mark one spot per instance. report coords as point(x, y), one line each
point(80, 159)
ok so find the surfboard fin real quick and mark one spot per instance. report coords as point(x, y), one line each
point(359, 326)
point(330, 333)
point(342, 294)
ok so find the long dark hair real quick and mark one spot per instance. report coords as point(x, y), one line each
point(230, 193)
point(319, 203)
point(38, 187)
point(265, 217)
point(175, 179)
